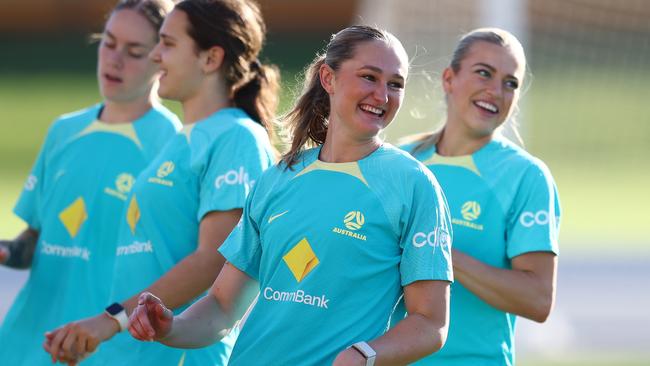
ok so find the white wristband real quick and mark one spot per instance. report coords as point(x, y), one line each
point(367, 352)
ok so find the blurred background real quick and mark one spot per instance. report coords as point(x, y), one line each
point(585, 113)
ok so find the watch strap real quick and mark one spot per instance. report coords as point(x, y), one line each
point(117, 312)
point(367, 352)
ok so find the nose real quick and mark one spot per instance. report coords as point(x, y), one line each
point(495, 88)
point(381, 93)
point(154, 55)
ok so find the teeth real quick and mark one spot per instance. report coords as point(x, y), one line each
point(485, 105)
point(371, 109)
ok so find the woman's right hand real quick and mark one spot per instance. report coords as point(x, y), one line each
point(150, 320)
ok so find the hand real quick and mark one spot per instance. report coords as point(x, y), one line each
point(349, 357)
point(74, 341)
point(150, 320)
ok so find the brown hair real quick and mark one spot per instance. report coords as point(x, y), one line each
point(237, 27)
point(495, 36)
point(308, 120)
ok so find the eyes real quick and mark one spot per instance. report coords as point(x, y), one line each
point(393, 84)
point(134, 51)
point(510, 83)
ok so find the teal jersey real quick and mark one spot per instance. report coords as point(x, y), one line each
point(503, 203)
point(210, 165)
point(332, 245)
point(74, 197)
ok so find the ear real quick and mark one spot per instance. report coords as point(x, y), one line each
point(327, 78)
point(212, 59)
point(447, 76)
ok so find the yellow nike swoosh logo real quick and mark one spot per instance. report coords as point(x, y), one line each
point(276, 216)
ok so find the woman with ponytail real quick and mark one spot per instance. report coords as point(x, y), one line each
point(335, 234)
point(184, 205)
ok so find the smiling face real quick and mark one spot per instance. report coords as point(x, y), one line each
point(367, 90)
point(124, 71)
point(481, 94)
point(179, 61)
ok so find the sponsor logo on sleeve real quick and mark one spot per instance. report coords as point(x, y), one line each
point(530, 219)
point(30, 183)
point(234, 177)
point(436, 238)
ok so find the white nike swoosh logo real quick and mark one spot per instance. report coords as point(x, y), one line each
point(276, 216)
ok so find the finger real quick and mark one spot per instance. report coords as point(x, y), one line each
point(143, 323)
point(55, 344)
point(68, 346)
point(135, 327)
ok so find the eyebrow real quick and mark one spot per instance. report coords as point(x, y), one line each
point(493, 69)
point(128, 44)
point(378, 70)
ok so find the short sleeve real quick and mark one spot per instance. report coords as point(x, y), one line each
point(534, 220)
point(28, 205)
point(243, 247)
point(426, 237)
point(233, 167)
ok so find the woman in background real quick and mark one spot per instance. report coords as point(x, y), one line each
point(187, 201)
point(503, 201)
point(73, 199)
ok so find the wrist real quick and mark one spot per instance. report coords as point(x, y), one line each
point(365, 351)
point(117, 314)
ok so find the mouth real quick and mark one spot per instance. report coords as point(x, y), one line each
point(375, 111)
point(487, 106)
point(112, 78)
point(163, 73)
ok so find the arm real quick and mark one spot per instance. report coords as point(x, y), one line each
point(421, 333)
point(200, 325)
point(18, 253)
point(528, 289)
point(196, 272)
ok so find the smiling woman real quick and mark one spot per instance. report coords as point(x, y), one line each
point(331, 233)
point(79, 183)
point(504, 204)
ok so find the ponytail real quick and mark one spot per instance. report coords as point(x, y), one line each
point(307, 121)
point(258, 96)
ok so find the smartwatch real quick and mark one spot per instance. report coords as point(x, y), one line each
point(367, 352)
point(117, 312)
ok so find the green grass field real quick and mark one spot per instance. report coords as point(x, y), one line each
point(598, 155)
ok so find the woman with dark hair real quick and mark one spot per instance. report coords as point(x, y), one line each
point(79, 184)
point(504, 204)
point(188, 200)
point(335, 234)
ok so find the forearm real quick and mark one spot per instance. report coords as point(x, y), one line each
point(196, 273)
point(20, 251)
point(517, 291)
point(415, 337)
point(200, 325)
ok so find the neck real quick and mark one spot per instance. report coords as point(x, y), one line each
point(342, 147)
point(457, 142)
point(206, 101)
point(117, 112)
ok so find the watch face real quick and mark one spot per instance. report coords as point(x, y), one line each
point(115, 308)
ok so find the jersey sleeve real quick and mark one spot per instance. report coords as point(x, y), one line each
point(534, 220)
point(243, 248)
point(232, 168)
point(426, 235)
point(28, 205)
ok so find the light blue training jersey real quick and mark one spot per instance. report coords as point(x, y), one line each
point(74, 197)
point(331, 245)
point(210, 165)
point(503, 203)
